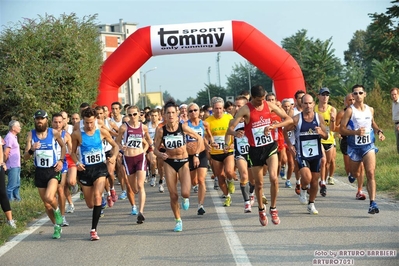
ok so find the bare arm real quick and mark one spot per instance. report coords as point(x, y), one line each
point(194, 135)
point(28, 147)
point(115, 148)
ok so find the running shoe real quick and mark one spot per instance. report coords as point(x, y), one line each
point(360, 195)
point(64, 222)
point(110, 201)
point(152, 182)
point(264, 199)
point(103, 203)
point(312, 209)
point(12, 224)
point(373, 209)
point(288, 184)
point(262, 218)
point(123, 195)
point(282, 173)
point(323, 189)
point(201, 211)
point(303, 197)
point(298, 189)
point(252, 199)
point(227, 201)
point(102, 213)
point(351, 179)
point(230, 186)
point(216, 184)
point(330, 180)
point(94, 236)
point(178, 226)
point(195, 189)
point(161, 189)
point(247, 207)
point(185, 203)
point(114, 197)
point(58, 217)
point(140, 218)
point(70, 208)
point(274, 214)
point(57, 231)
point(134, 210)
point(82, 196)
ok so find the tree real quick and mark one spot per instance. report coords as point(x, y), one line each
point(210, 91)
point(320, 67)
point(166, 96)
point(244, 76)
point(47, 63)
point(50, 64)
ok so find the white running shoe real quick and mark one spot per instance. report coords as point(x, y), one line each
point(312, 209)
point(302, 197)
point(161, 189)
point(152, 182)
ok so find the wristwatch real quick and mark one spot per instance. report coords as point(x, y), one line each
point(196, 155)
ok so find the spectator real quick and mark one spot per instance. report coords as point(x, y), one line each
point(4, 202)
point(12, 157)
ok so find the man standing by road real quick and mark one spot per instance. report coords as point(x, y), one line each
point(395, 113)
point(40, 145)
point(357, 124)
point(12, 157)
point(262, 147)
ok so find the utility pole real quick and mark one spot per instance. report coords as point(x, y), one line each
point(218, 68)
point(209, 84)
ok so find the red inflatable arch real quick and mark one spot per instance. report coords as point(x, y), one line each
point(236, 36)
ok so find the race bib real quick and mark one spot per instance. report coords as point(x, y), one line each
point(219, 140)
point(260, 138)
point(242, 145)
point(363, 140)
point(198, 131)
point(44, 158)
point(134, 142)
point(173, 142)
point(92, 157)
point(309, 148)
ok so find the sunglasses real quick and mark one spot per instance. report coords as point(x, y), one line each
point(358, 92)
point(134, 114)
point(325, 94)
point(194, 110)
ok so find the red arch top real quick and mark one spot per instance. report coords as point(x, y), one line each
point(247, 41)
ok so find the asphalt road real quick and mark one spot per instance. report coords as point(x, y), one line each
point(223, 236)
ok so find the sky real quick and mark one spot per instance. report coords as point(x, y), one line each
point(183, 75)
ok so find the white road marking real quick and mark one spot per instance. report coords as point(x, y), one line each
point(238, 251)
point(30, 230)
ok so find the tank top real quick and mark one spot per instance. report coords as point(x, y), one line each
point(133, 137)
point(57, 146)
point(218, 127)
point(118, 123)
point(241, 145)
point(173, 140)
point(308, 141)
point(107, 146)
point(326, 116)
point(151, 130)
point(199, 129)
point(258, 120)
point(361, 119)
point(45, 156)
point(91, 148)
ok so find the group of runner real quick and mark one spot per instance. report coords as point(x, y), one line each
point(258, 135)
